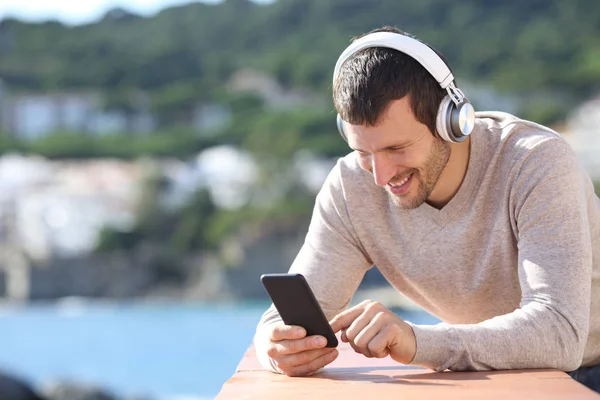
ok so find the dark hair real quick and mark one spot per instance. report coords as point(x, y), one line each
point(372, 78)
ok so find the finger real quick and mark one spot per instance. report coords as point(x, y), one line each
point(357, 326)
point(283, 332)
point(284, 347)
point(313, 366)
point(371, 311)
point(345, 318)
point(354, 347)
point(299, 359)
point(378, 346)
point(343, 337)
point(363, 339)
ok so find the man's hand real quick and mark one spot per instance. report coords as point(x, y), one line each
point(373, 330)
point(294, 353)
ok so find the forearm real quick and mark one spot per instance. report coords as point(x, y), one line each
point(535, 336)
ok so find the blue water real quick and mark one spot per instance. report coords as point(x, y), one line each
point(165, 351)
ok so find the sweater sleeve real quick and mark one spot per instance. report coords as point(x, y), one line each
point(331, 259)
point(550, 327)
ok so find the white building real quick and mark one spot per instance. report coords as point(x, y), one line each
point(58, 208)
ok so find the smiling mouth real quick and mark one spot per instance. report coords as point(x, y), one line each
point(401, 187)
point(402, 182)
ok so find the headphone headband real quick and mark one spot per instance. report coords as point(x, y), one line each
point(405, 44)
point(455, 116)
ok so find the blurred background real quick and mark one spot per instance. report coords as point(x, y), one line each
point(157, 156)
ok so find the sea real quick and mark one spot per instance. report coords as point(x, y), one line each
point(161, 351)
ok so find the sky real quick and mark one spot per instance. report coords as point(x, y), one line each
point(74, 12)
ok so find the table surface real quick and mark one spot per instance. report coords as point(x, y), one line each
point(353, 376)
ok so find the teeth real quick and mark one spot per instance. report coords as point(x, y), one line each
point(402, 182)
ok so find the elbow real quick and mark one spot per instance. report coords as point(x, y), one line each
point(572, 357)
point(568, 363)
point(561, 338)
point(570, 348)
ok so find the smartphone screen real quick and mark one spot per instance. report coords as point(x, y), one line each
point(297, 305)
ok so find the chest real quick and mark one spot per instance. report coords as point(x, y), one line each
point(470, 263)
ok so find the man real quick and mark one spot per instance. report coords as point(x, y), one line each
point(494, 228)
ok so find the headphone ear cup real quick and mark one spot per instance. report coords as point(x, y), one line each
point(443, 119)
point(454, 123)
point(340, 127)
point(462, 120)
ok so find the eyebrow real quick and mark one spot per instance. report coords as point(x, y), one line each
point(390, 147)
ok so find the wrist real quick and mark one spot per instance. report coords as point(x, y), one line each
point(412, 347)
point(405, 347)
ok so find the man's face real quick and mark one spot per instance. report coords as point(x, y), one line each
point(401, 153)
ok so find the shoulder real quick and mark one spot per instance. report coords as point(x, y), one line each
point(519, 133)
point(531, 158)
point(517, 143)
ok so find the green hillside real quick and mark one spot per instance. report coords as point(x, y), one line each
point(517, 46)
point(546, 52)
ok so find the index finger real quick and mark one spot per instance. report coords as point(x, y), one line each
point(344, 319)
point(283, 332)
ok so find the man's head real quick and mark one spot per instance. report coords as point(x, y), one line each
point(389, 103)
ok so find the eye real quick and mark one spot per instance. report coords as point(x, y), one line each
point(398, 149)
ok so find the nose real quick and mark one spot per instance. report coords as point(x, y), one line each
point(382, 169)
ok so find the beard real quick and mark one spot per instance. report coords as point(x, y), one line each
point(424, 178)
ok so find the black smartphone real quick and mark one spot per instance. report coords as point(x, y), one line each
point(296, 303)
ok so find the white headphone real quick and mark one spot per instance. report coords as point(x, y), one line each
point(456, 116)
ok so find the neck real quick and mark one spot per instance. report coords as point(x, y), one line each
point(452, 176)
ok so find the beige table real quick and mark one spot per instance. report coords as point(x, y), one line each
point(353, 376)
